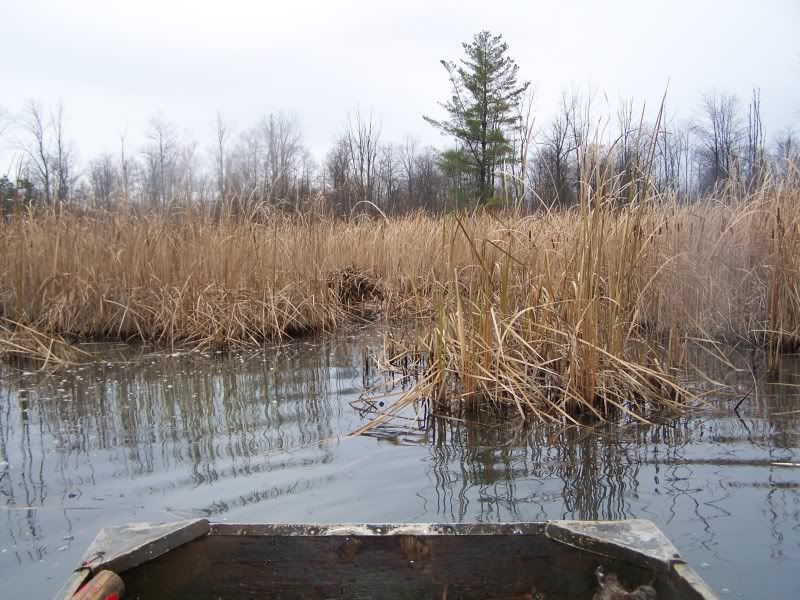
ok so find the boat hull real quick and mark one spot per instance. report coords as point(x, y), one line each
point(554, 559)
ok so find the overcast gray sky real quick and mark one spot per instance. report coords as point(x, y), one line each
point(114, 64)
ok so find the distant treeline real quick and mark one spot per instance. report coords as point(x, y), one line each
point(536, 161)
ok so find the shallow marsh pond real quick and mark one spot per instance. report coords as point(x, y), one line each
point(256, 437)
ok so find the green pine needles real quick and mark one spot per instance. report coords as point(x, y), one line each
point(482, 112)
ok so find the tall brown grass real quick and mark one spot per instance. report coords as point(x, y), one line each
point(559, 312)
point(591, 311)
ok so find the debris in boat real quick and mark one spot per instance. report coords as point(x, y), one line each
point(610, 588)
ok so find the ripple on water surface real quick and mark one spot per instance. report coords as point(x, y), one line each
point(259, 437)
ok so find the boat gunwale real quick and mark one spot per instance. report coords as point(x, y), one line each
point(636, 541)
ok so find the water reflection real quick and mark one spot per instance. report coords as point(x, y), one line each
point(259, 437)
point(160, 435)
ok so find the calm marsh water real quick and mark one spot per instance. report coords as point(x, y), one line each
point(255, 437)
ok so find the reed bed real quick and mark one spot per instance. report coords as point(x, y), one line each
point(586, 310)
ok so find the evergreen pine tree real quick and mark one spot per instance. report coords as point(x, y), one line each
point(481, 111)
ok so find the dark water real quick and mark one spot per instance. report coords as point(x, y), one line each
point(253, 437)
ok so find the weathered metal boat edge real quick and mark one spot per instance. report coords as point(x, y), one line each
point(379, 529)
point(685, 573)
point(125, 547)
point(632, 540)
point(635, 540)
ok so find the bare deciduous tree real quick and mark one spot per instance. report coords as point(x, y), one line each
point(160, 154)
point(104, 180)
point(522, 140)
point(283, 145)
point(219, 155)
point(553, 163)
point(36, 148)
point(362, 135)
point(63, 157)
point(338, 177)
point(755, 153)
point(127, 167)
point(408, 163)
point(388, 188)
point(718, 134)
point(787, 155)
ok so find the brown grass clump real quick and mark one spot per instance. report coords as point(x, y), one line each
point(18, 341)
point(591, 311)
point(551, 314)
